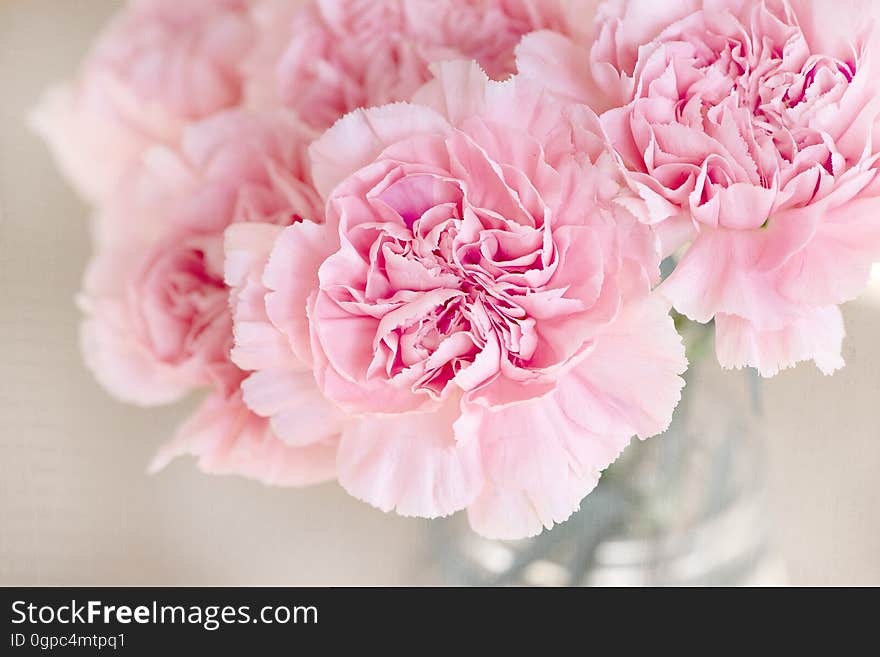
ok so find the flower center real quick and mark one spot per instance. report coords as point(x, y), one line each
point(455, 272)
point(760, 93)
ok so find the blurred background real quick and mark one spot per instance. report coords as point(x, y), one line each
point(76, 506)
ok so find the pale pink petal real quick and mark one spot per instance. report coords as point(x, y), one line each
point(457, 91)
point(674, 233)
point(258, 343)
point(817, 335)
point(123, 365)
point(290, 277)
point(834, 266)
point(411, 463)
point(506, 514)
point(745, 206)
point(562, 65)
point(531, 451)
point(461, 90)
point(830, 29)
point(74, 134)
point(226, 438)
point(300, 414)
point(356, 139)
point(629, 381)
point(718, 274)
point(247, 247)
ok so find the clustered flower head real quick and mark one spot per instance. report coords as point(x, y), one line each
point(415, 245)
point(750, 129)
point(326, 58)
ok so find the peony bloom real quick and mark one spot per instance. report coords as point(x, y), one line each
point(158, 316)
point(477, 305)
point(160, 64)
point(333, 56)
point(752, 124)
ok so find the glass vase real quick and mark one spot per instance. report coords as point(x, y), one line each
point(683, 508)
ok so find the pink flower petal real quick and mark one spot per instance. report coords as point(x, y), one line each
point(300, 414)
point(291, 275)
point(356, 139)
point(718, 274)
point(226, 438)
point(123, 365)
point(411, 463)
point(629, 382)
point(533, 472)
point(258, 343)
point(817, 336)
point(562, 65)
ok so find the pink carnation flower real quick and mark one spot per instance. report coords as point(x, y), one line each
point(333, 56)
point(159, 65)
point(158, 319)
point(752, 125)
point(477, 304)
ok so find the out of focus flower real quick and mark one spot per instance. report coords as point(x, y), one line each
point(332, 56)
point(158, 321)
point(159, 65)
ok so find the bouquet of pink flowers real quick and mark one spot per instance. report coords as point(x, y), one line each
point(415, 245)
